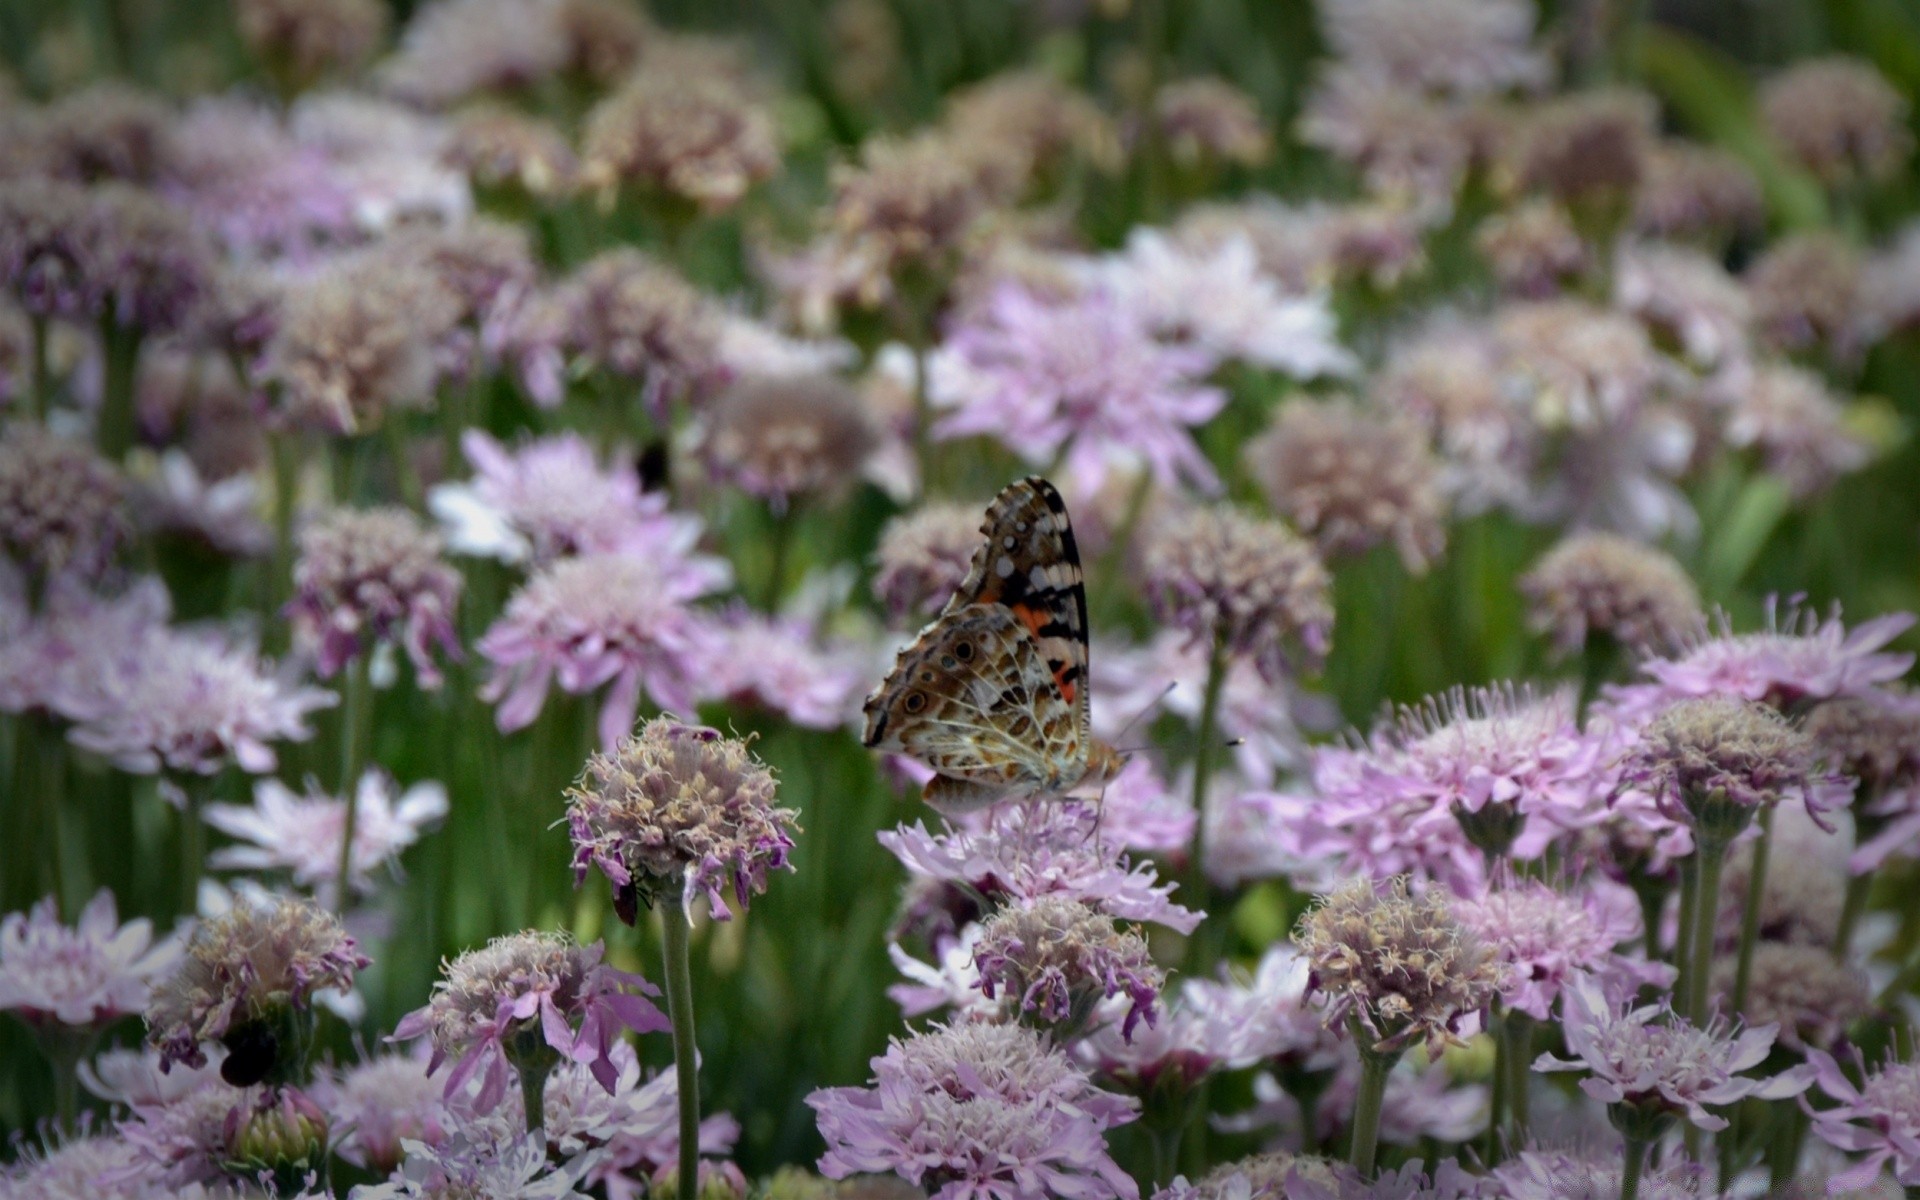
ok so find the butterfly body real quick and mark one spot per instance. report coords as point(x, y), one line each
point(993, 693)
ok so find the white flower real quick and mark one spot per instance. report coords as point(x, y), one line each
point(301, 834)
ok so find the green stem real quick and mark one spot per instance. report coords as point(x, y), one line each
point(356, 697)
point(408, 479)
point(1502, 1072)
point(1198, 887)
point(1859, 887)
point(1712, 856)
point(42, 372)
point(922, 410)
point(115, 431)
point(779, 549)
point(1750, 914)
point(533, 1097)
point(1599, 660)
point(679, 972)
point(193, 840)
point(1517, 1044)
point(1374, 1067)
point(1683, 931)
point(1630, 1170)
point(1783, 1151)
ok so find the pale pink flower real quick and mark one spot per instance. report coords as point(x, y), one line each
point(1419, 1103)
point(370, 576)
point(66, 659)
point(1545, 937)
point(99, 1166)
point(89, 974)
point(482, 1158)
point(1647, 1056)
point(388, 157)
point(1140, 811)
point(300, 834)
point(177, 1114)
point(1685, 296)
point(978, 1112)
point(1186, 1042)
point(377, 1104)
point(241, 176)
point(1880, 1117)
point(632, 1131)
point(950, 981)
point(1266, 1018)
point(782, 664)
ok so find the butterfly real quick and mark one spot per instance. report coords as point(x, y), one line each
point(993, 693)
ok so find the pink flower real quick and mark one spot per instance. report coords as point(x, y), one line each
point(377, 1104)
point(1139, 811)
point(950, 981)
point(1271, 1019)
point(177, 1121)
point(240, 176)
point(1666, 1063)
point(520, 983)
point(301, 834)
point(87, 975)
point(65, 659)
point(977, 1112)
point(780, 663)
point(1420, 1103)
point(374, 575)
point(1881, 1118)
point(97, 1167)
point(604, 618)
point(1083, 379)
point(1546, 937)
point(1023, 852)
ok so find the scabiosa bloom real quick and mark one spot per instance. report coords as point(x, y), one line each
point(177, 1123)
point(247, 981)
point(1587, 149)
point(1560, 1175)
point(1270, 1014)
point(380, 1103)
point(500, 148)
point(1686, 298)
point(1247, 585)
point(240, 176)
point(901, 214)
point(455, 48)
point(1447, 377)
point(68, 659)
point(1408, 149)
point(1666, 1065)
point(482, 1158)
point(1880, 1118)
point(1027, 117)
point(1022, 852)
point(1689, 191)
point(1080, 378)
point(631, 1133)
point(781, 663)
point(1805, 292)
point(1839, 118)
point(527, 1000)
point(1057, 957)
point(1275, 1173)
point(635, 319)
point(151, 266)
point(1534, 250)
point(1800, 990)
point(785, 437)
point(1206, 120)
point(681, 135)
point(193, 701)
point(1874, 738)
point(1797, 426)
point(300, 834)
point(87, 975)
point(63, 508)
point(302, 41)
point(602, 618)
point(1460, 48)
point(46, 247)
point(1603, 584)
point(93, 1167)
point(923, 557)
point(370, 576)
point(1545, 937)
point(988, 1112)
point(1352, 479)
point(1712, 761)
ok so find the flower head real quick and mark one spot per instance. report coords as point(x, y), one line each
point(523, 995)
point(602, 618)
point(1270, 1014)
point(482, 1158)
point(1546, 937)
point(1687, 299)
point(693, 137)
point(903, 211)
point(502, 148)
point(1873, 737)
point(1839, 118)
point(1057, 957)
point(678, 809)
point(1717, 758)
point(1533, 249)
point(1689, 191)
point(783, 664)
point(635, 319)
point(1588, 148)
point(1667, 1066)
point(1206, 120)
point(1397, 968)
point(243, 973)
point(1560, 1175)
point(300, 834)
point(990, 1112)
point(1459, 48)
point(455, 48)
point(1797, 425)
point(374, 575)
point(380, 1103)
point(1407, 148)
point(46, 247)
point(63, 508)
point(1082, 377)
point(785, 437)
point(1799, 990)
point(1805, 291)
point(1249, 585)
point(302, 41)
point(98, 1166)
point(150, 266)
point(923, 557)
point(87, 975)
point(1880, 1117)
point(1604, 584)
point(1352, 480)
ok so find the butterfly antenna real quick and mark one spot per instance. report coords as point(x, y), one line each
point(1144, 710)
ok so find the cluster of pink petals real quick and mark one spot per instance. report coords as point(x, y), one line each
point(375, 1105)
point(1880, 1118)
point(1547, 937)
point(781, 664)
point(1268, 1015)
point(1420, 1103)
point(978, 1112)
point(1080, 380)
point(1023, 852)
point(1645, 1055)
point(64, 659)
point(88, 974)
point(1140, 811)
point(300, 834)
point(176, 1118)
point(633, 1130)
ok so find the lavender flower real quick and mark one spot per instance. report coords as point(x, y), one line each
point(482, 1159)
point(241, 177)
point(193, 701)
point(1712, 761)
point(1696, 192)
point(1246, 585)
point(372, 576)
point(63, 508)
point(786, 437)
point(1081, 379)
point(1604, 584)
point(1545, 938)
point(678, 810)
point(1056, 958)
point(1839, 118)
point(990, 1112)
point(633, 1132)
point(88, 975)
point(1880, 1117)
point(923, 557)
point(682, 136)
point(1559, 1175)
point(1800, 990)
point(1796, 424)
point(247, 982)
point(635, 319)
point(781, 664)
point(380, 1103)
point(301, 834)
point(528, 1000)
point(1664, 1065)
point(1461, 48)
point(1206, 121)
point(603, 618)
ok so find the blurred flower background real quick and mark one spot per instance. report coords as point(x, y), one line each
point(463, 463)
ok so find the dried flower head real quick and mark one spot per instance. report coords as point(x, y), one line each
point(784, 437)
point(1873, 737)
point(357, 341)
point(301, 42)
point(1664, 1066)
point(1588, 148)
point(678, 810)
point(1032, 120)
point(1407, 148)
point(107, 131)
point(1457, 48)
point(1208, 120)
point(150, 267)
point(1805, 290)
point(1713, 760)
point(246, 977)
point(366, 576)
point(63, 508)
point(1839, 118)
point(1795, 423)
point(902, 212)
point(1353, 479)
point(1801, 990)
point(865, 45)
point(46, 247)
point(1602, 584)
point(635, 319)
point(521, 999)
point(923, 556)
point(499, 147)
point(1057, 957)
point(1804, 891)
point(87, 975)
point(1534, 250)
point(1689, 191)
point(1880, 1117)
point(690, 137)
point(1395, 968)
point(978, 1110)
point(456, 48)
point(1245, 584)
point(485, 264)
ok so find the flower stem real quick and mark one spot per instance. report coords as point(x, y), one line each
point(1497, 1105)
point(193, 840)
point(679, 973)
point(1374, 1067)
point(356, 697)
point(404, 474)
point(1683, 933)
point(1201, 951)
point(1750, 914)
point(42, 372)
point(1712, 855)
point(779, 550)
point(533, 1098)
point(1858, 888)
point(1630, 1170)
point(1516, 1043)
point(114, 430)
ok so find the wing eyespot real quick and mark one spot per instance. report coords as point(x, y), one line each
point(964, 651)
point(914, 704)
